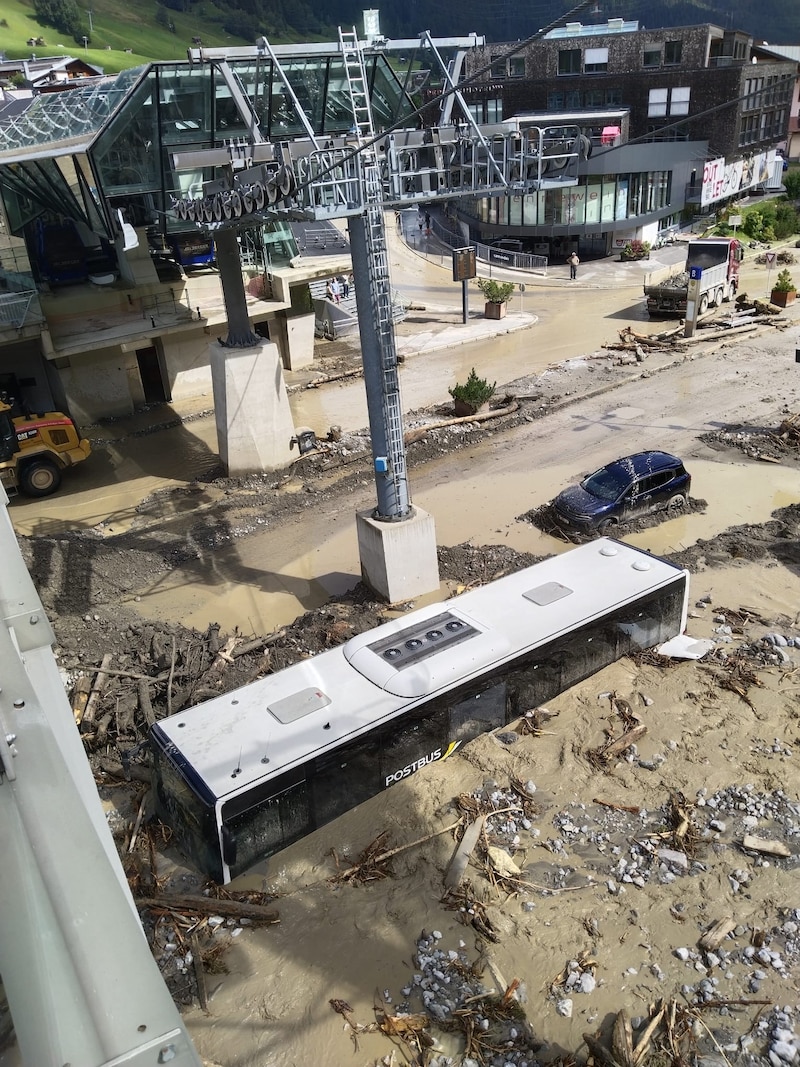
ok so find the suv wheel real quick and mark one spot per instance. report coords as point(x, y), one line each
point(607, 526)
point(676, 501)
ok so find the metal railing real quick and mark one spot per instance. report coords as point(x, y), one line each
point(20, 309)
point(490, 254)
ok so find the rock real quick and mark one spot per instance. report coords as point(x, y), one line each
point(564, 1008)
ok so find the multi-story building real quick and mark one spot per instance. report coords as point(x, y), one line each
point(691, 95)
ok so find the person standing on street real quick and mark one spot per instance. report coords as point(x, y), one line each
point(345, 279)
point(573, 261)
point(336, 289)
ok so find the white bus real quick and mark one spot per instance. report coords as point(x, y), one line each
point(241, 776)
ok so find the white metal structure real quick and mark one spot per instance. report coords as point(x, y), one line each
point(78, 974)
point(242, 775)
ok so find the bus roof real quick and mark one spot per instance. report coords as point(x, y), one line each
point(277, 722)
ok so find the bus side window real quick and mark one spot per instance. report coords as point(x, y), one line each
point(478, 713)
point(347, 776)
point(269, 824)
point(412, 737)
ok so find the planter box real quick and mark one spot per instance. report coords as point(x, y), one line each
point(781, 299)
point(494, 311)
point(462, 409)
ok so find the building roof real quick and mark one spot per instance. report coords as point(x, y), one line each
point(68, 119)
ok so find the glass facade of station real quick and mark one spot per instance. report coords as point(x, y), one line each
point(596, 200)
point(81, 155)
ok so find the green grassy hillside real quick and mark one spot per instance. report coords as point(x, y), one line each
point(116, 26)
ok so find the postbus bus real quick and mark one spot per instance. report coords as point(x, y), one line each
point(241, 776)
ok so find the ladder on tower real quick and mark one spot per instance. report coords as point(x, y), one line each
point(380, 288)
point(355, 72)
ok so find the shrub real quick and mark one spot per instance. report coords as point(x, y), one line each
point(495, 292)
point(791, 183)
point(635, 250)
point(784, 283)
point(475, 391)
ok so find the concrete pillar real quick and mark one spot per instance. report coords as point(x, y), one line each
point(398, 559)
point(254, 421)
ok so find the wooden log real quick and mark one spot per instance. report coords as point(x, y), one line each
point(716, 933)
point(761, 844)
point(461, 855)
point(134, 773)
point(615, 748)
point(145, 704)
point(199, 905)
point(97, 688)
point(480, 416)
point(80, 697)
point(199, 973)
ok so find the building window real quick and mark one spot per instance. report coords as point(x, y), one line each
point(595, 61)
point(652, 57)
point(679, 101)
point(613, 98)
point(494, 110)
point(569, 61)
point(657, 103)
point(516, 67)
point(594, 98)
point(573, 100)
point(739, 50)
point(498, 66)
point(672, 51)
point(749, 130)
point(752, 94)
point(555, 101)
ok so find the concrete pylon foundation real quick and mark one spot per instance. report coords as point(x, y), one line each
point(254, 421)
point(398, 559)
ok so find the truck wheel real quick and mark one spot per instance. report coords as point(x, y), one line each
point(703, 304)
point(719, 296)
point(40, 478)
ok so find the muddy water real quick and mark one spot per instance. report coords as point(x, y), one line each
point(267, 580)
point(566, 327)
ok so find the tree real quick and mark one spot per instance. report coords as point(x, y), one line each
point(62, 15)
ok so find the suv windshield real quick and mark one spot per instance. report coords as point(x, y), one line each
point(605, 484)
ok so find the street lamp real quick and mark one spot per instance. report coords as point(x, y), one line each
point(85, 42)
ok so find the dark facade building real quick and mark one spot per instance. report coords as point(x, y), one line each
point(691, 95)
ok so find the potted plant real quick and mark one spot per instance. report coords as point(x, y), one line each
point(472, 395)
point(784, 290)
point(496, 294)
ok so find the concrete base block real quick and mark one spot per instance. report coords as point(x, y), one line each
point(398, 559)
point(254, 421)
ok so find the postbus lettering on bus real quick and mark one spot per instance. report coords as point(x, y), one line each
point(398, 776)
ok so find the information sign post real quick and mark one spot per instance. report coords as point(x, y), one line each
point(465, 266)
point(692, 300)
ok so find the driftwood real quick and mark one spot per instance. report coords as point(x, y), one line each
point(615, 748)
point(460, 859)
point(80, 696)
point(761, 844)
point(199, 905)
point(716, 933)
point(481, 416)
point(374, 860)
point(98, 685)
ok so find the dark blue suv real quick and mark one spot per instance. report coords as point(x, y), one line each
point(623, 490)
